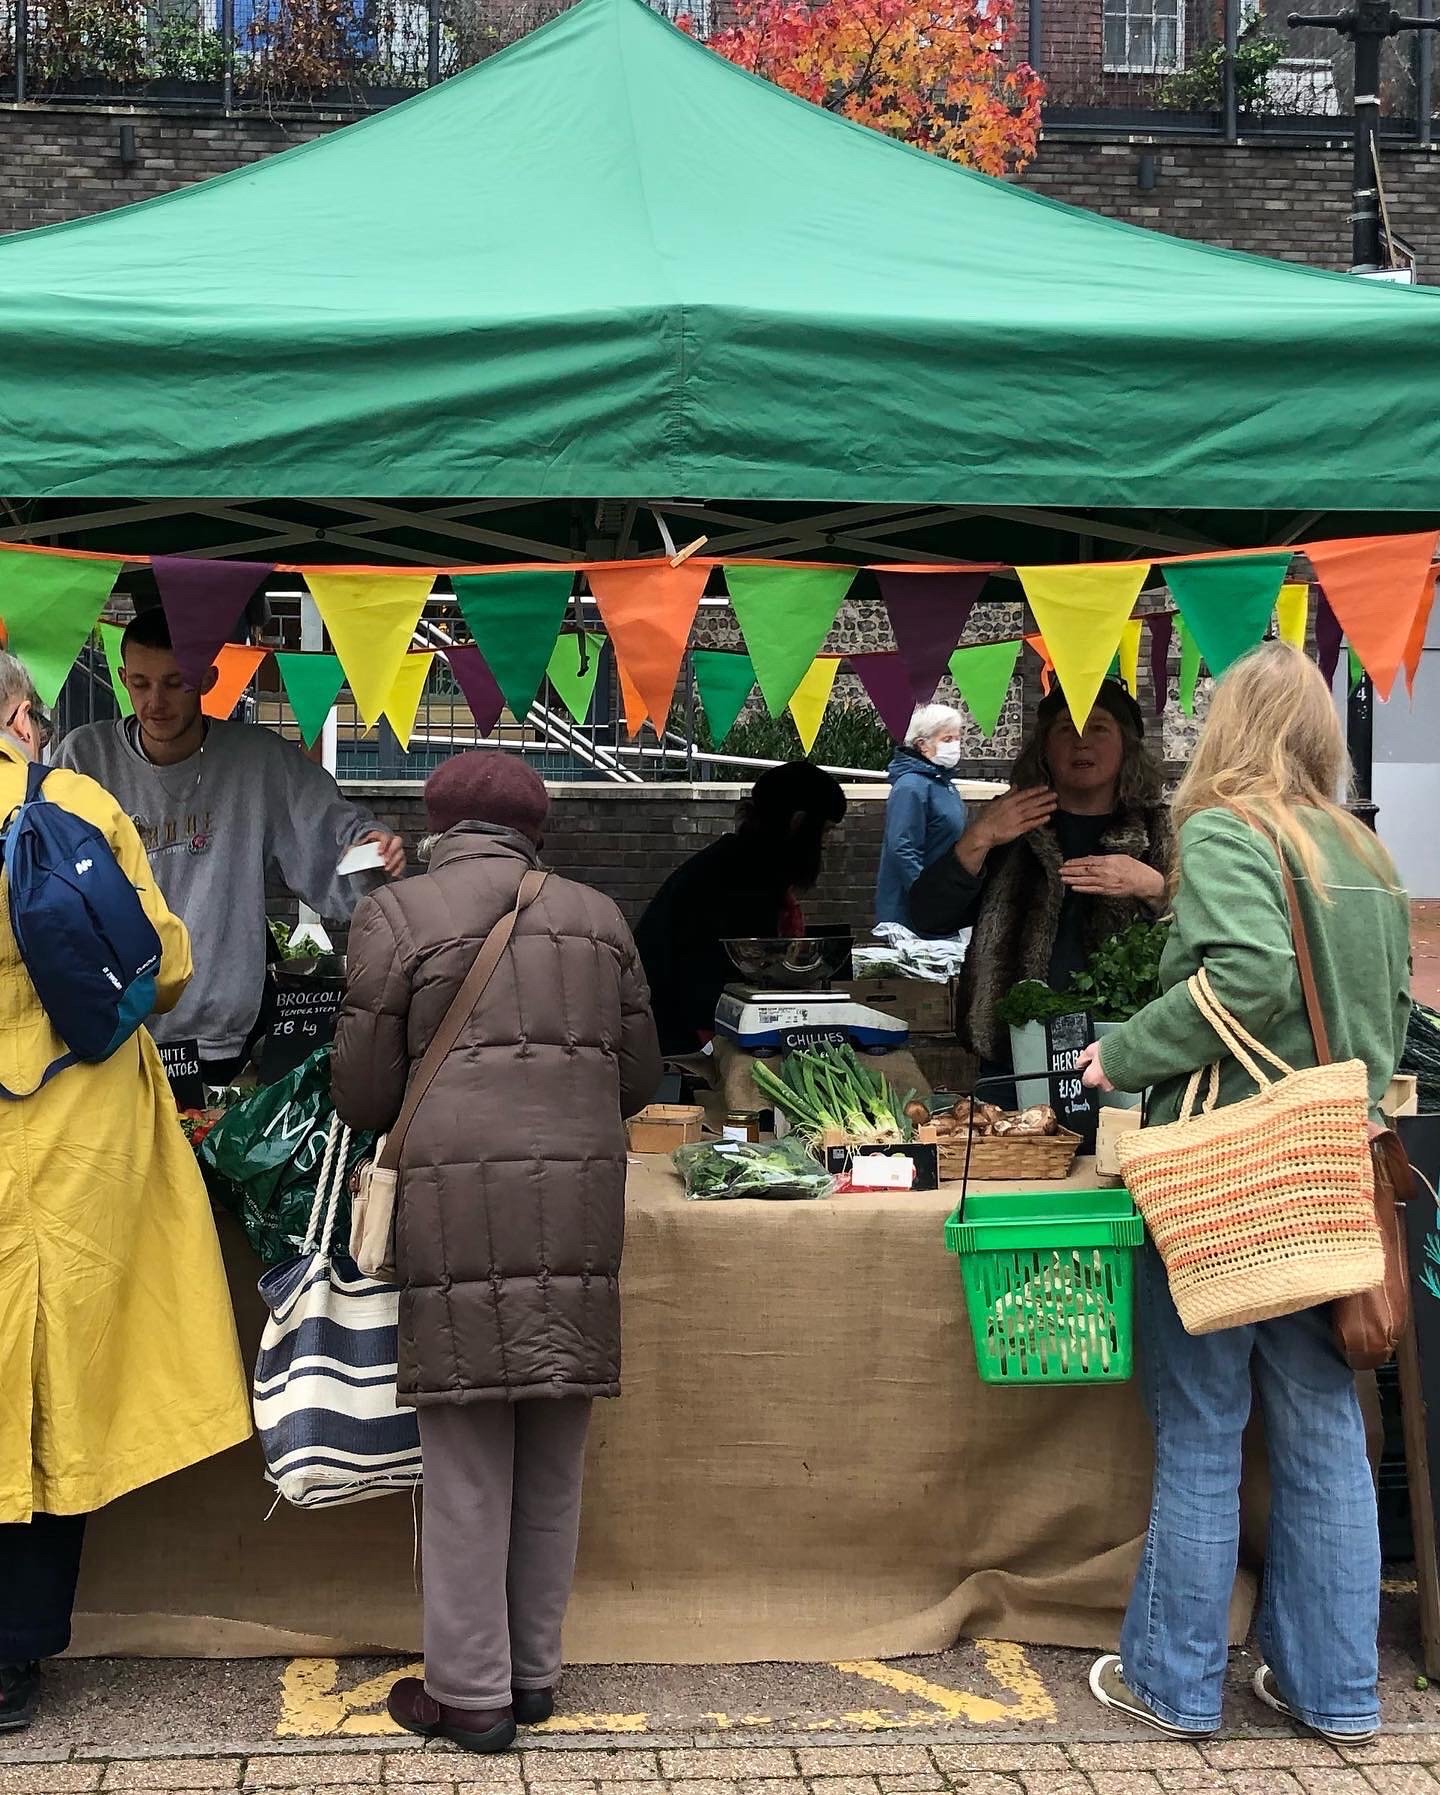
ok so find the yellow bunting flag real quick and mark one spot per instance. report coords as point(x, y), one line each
point(234, 669)
point(1292, 612)
point(405, 695)
point(371, 618)
point(1130, 655)
point(808, 700)
point(1082, 611)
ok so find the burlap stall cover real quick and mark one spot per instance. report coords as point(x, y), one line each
point(1266, 1206)
point(803, 1466)
point(733, 1073)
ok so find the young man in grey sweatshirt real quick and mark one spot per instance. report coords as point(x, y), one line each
point(219, 806)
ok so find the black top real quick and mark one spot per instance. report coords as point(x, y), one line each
point(734, 888)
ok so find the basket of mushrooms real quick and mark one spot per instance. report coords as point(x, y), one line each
point(1001, 1143)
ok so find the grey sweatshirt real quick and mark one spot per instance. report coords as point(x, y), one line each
point(246, 805)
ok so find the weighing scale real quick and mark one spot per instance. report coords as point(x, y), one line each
point(785, 1000)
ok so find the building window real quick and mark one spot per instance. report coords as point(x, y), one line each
point(1144, 37)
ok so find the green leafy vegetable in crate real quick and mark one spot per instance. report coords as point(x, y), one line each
point(825, 1088)
point(715, 1169)
point(1422, 1056)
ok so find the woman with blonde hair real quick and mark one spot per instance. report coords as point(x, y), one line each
point(1262, 788)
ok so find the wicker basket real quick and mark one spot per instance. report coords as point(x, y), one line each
point(1009, 1156)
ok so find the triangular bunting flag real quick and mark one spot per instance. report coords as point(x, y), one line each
point(234, 669)
point(982, 677)
point(51, 603)
point(785, 614)
point(203, 601)
point(1292, 612)
point(1047, 666)
point(1357, 671)
point(110, 636)
point(371, 618)
point(1129, 656)
point(928, 613)
point(636, 715)
point(1375, 585)
point(887, 681)
point(1189, 669)
point(515, 619)
point(1415, 647)
point(405, 694)
point(1328, 637)
point(1162, 631)
point(574, 685)
point(808, 700)
point(724, 682)
point(648, 612)
point(479, 685)
point(1081, 611)
point(312, 684)
point(1227, 602)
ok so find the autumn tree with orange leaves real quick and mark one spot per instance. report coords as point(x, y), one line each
point(937, 76)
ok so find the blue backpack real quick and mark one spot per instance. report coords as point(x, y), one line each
point(83, 935)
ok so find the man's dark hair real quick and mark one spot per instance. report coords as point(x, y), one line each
point(149, 628)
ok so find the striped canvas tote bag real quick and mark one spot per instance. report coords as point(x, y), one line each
point(325, 1380)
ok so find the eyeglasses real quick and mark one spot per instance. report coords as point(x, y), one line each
point(40, 720)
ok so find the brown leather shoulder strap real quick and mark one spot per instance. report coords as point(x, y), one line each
point(1306, 965)
point(462, 1007)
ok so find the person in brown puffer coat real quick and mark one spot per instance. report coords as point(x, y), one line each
point(508, 1229)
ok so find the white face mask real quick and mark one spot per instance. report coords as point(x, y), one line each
point(946, 754)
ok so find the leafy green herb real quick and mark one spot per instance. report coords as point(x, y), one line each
point(1123, 974)
point(712, 1170)
point(1032, 1000)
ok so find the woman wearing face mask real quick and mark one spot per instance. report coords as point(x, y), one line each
point(1076, 851)
point(926, 815)
point(118, 1357)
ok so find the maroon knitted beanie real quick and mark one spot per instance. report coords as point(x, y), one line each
point(485, 786)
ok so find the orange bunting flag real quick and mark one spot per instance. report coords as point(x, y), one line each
point(636, 715)
point(234, 669)
point(1082, 610)
point(1415, 647)
point(648, 612)
point(1377, 586)
point(1047, 666)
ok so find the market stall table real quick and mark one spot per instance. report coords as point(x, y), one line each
point(804, 1466)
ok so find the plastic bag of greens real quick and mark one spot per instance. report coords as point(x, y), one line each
point(262, 1160)
point(714, 1169)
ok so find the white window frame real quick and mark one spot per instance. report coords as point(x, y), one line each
point(1131, 7)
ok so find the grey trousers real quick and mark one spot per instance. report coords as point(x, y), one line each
point(501, 1525)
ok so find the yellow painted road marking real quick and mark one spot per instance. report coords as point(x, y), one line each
point(1007, 1664)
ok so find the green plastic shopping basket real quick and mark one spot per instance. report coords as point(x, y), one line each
point(1049, 1283)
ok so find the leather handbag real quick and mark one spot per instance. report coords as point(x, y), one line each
point(377, 1181)
point(1370, 1325)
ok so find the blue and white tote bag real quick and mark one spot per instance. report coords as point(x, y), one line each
point(325, 1403)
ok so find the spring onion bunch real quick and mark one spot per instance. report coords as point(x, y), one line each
point(827, 1087)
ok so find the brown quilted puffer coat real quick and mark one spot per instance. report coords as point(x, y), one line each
point(512, 1183)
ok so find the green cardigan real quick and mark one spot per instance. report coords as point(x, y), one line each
point(1231, 917)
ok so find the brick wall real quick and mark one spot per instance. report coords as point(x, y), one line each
point(1276, 199)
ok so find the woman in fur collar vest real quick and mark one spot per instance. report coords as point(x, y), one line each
point(1077, 850)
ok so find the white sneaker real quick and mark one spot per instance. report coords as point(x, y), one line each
point(1267, 1690)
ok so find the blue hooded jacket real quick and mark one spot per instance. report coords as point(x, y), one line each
point(923, 820)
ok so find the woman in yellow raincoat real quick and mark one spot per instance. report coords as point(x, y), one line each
point(118, 1357)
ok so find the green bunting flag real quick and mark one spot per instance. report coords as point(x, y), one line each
point(1227, 603)
point(1189, 667)
point(724, 682)
point(515, 619)
point(312, 684)
point(1357, 671)
point(982, 676)
point(51, 604)
point(573, 687)
point(785, 614)
point(110, 637)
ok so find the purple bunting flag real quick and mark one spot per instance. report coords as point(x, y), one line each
point(203, 601)
point(1162, 632)
point(887, 680)
point(1328, 636)
point(478, 684)
point(928, 613)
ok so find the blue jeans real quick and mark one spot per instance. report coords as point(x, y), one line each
point(1320, 1604)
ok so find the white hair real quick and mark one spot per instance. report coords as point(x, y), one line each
point(16, 685)
point(929, 720)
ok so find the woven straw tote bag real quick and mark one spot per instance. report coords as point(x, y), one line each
point(1266, 1206)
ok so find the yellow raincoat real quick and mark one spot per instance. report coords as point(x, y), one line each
point(118, 1357)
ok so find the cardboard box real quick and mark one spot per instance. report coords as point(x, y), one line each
point(662, 1127)
point(1111, 1125)
point(1403, 1097)
point(927, 1007)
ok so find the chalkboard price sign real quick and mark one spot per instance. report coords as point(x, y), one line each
point(1066, 1038)
point(1419, 1365)
point(181, 1060)
point(299, 1016)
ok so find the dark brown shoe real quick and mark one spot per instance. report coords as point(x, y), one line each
point(533, 1707)
point(472, 1729)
